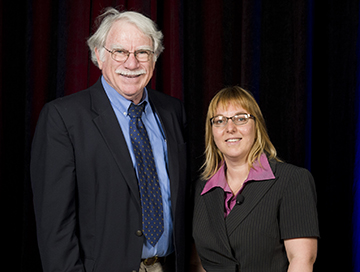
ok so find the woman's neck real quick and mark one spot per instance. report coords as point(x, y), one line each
point(236, 174)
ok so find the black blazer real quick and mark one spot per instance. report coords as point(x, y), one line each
point(251, 237)
point(86, 195)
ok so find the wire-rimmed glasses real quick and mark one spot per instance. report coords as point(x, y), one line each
point(121, 55)
point(238, 119)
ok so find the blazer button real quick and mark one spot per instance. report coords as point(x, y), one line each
point(139, 233)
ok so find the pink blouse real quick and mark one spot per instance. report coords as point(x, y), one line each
point(257, 173)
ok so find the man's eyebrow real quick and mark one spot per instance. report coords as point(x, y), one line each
point(144, 47)
point(117, 46)
point(141, 47)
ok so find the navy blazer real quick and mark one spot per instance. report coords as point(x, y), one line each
point(86, 196)
point(251, 238)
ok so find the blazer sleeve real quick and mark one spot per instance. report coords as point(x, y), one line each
point(298, 213)
point(53, 180)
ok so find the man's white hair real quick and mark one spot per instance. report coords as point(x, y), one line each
point(110, 16)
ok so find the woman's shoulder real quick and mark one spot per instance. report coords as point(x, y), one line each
point(292, 176)
point(287, 169)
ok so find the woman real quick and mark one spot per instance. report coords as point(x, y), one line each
point(252, 211)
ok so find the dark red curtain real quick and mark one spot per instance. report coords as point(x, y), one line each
point(298, 58)
point(58, 58)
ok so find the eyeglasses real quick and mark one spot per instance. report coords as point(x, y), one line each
point(122, 55)
point(238, 119)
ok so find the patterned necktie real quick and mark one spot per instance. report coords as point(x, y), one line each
point(150, 193)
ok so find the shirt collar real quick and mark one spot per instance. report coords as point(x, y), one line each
point(262, 170)
point(218, 180)
point(117, 100)
point(257, 173)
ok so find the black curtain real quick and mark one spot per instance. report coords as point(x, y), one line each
point(298, 58)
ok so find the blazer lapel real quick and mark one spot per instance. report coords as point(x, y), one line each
point(214, 201)
point(110, 130)
point(167, 121)
point(253, 193)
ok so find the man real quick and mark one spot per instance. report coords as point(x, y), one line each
point(89, 174)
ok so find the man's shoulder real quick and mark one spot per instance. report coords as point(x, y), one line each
point(80, 96)
point(165, 100)
point(77, 99)
point(155, 93)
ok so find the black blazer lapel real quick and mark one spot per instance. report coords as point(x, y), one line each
point(167, 121)
point(253, 193)
point(109, 127)
point(214, 201)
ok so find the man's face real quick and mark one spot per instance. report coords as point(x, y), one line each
point(130, 77)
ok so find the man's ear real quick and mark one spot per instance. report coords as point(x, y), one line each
point(97, 53)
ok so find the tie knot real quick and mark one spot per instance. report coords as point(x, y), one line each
point(135, 111)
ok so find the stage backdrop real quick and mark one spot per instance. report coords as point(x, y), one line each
point(300, 59)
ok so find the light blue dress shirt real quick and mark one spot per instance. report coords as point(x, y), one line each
point(157, 139)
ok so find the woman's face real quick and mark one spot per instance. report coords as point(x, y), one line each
point(234, 141)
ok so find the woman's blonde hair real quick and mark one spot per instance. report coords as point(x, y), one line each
point(237, 97)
